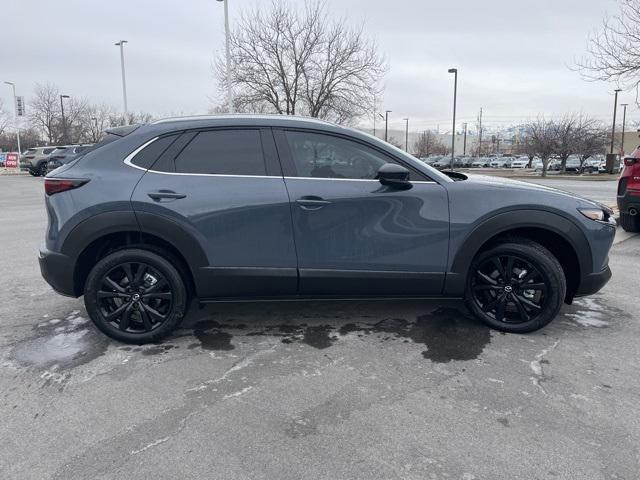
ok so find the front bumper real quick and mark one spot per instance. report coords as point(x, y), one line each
point(57, 269)
point(593, 282)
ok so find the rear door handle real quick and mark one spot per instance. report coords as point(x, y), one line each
point(312, 202)
point(166, 194)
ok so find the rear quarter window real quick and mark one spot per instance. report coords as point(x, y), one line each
point(148, 155)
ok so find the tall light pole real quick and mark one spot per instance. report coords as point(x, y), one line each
point(15, 117)
point(624, 119)
point(124, 82)
point(613, 128)
point(386, 124)
point(464, 145)
point(228, 55)
point(406, 135)
point(64, 122)
point(455, 94)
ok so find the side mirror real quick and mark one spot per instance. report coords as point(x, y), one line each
point(394, 176)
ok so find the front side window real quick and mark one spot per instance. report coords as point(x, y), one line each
point(324, 156)
point(223, 152)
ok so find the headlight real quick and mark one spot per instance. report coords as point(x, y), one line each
point(593, 213)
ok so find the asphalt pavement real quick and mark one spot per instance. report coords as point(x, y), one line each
point(313, 390)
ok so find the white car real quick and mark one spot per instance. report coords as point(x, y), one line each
point(520, 162)
point(480, 163)
point(498, 162)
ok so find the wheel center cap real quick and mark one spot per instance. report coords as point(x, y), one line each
point(508, 288)
point(135, 297)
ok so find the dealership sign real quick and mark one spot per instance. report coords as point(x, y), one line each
point(10, 160)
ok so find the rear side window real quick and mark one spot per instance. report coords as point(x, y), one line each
point(225, 152)
point(149, 154)
point(46, 151)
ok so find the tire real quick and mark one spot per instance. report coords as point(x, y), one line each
point(33, 173)
point(630, 223)
point(531, 265)
point(42, 169)
point(135, 296)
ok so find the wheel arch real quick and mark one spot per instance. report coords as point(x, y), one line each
point(101, 234)
point(561, 236)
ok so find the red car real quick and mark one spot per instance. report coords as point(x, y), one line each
point(629, 193)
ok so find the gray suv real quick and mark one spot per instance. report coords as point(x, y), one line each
point(275, 207)
point(34, 160)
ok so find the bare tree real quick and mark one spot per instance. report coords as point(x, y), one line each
point(571, 131)
point(427, 144)
point(542, 136)
point(593, 140)
point(4, 118)
point(291, 61)
point(95, 121)
point(45, 111)
point(612, 52)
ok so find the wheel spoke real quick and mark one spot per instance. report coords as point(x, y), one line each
point(142, 269)
point(486, 287)
point(509, 269)
point(489, 306)
point(127, 271)
point(116, 313)
point(486, 278)
point(529, 276)
point(500, 308)
point(126, 317)
point(534, 286)
point(148, 324)
point(529, 303)
point(523, 312)
point(105, 294)
point(155, 315)
point(160, 295)
point(113, 284)
point(498, 264)
point(158, 285)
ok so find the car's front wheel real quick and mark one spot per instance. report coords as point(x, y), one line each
point(135, 296)
point(515, 286)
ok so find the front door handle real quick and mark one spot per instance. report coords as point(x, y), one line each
point(166, 194)
point(312, 202)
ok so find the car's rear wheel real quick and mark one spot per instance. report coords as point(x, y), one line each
point(630, 223)
point(42, 169)
point(135, 296)
point(516, 286)
point(33, 173)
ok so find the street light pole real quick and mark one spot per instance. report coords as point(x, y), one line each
point(406, 135)
point(464, 145)
point(228, 54)
point(386, 124)
point(613, 128)
point(15, 117)
point(624, 119)
point(124, 82)
point(455, 94)
point(64, 122)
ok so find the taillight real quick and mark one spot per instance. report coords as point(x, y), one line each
point(57, 185)
point(629, 161)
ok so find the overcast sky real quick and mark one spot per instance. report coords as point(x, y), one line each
point(513, 56)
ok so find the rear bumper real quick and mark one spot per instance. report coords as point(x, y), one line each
point(630, 198)
point(593, 282)
point(57, 269)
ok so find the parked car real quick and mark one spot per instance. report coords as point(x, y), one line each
point(629, 193)
point(34, 160)
point(279, 207)
point(521, 162)
point(501, 162)
point(480, 162)
point(553, 165)
point(63, 155)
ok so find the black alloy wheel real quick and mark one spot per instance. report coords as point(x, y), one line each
point(515, 286)
point(135, 295)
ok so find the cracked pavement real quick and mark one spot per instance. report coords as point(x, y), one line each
point(321, 390)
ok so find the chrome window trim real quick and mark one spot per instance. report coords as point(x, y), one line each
point(352, 179)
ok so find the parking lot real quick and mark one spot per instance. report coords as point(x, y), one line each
point(318, 390)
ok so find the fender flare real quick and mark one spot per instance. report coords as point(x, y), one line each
point(504, 222)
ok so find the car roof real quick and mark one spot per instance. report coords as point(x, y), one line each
point(234, 119)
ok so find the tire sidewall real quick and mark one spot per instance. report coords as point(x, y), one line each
point(165, 267)
point(545, 262)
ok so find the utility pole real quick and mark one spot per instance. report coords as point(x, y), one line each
point(624, 119)
point(386, 124)
point(455, 95)
point(480, 135)
point(613, 128)
point(15, 118)
point(374, 114)
point(406, 135)
point(228, 54)
point(464, 145)
point(124, 83)
point(64, 122)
